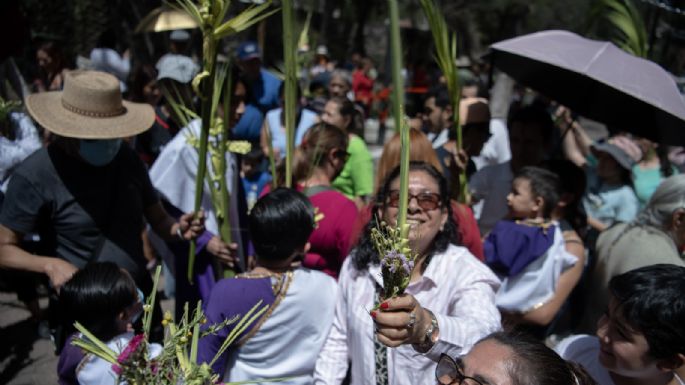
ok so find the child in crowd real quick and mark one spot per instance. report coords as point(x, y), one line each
point(253, 177)
point(610, 197)
point(285, 341)
point(641, 337)
point(527, 250)
point(105, 300)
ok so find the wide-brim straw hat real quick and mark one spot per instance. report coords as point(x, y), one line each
point(90, 107)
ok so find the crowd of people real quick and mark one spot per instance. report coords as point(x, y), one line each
point(562, 265)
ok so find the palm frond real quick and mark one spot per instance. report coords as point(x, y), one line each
point(244, 20)
point(624, 25)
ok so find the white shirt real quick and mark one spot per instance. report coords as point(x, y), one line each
point(456, 287)
point(93, 370)
point(584, 350)
point(12, 152)
point(490, 186)
point(496, 150)
point(438, 139)
point(173, 174)
point(289, 341)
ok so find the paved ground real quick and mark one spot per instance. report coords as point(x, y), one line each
point(25, 359)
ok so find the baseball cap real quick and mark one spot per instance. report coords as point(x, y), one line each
point(249, 50)
point(177, 67)
point(179, 35)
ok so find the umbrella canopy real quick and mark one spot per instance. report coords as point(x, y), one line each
point(598, 80)
point(165, 19)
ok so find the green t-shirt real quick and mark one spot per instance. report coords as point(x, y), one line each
point(356, 178)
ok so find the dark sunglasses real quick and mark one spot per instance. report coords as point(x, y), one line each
point(449, 372)
point(426, 200)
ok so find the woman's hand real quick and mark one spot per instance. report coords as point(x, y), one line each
point(224, 252)
point(190, 226)
point(401, 320)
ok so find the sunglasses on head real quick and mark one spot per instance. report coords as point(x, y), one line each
point(451, 372)
point(426, 200)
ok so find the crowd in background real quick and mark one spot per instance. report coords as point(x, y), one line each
point(569, 236)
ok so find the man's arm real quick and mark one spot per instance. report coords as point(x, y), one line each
point(188, 226)
point(14, 257)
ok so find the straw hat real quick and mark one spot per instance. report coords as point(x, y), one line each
point(89, 107)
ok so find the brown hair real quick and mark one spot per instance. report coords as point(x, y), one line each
point(420, 150)
point(317, 142)
point(348, 109)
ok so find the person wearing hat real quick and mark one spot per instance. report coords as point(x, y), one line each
point(263, 91)
point(610, 197)
point(87, 194)
point(174, 74)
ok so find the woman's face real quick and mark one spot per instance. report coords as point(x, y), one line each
point(238, 103)
point(488, 362)
point(152, 93)
point(44, 60)
point(607, 166)
point(623, 350)
point(338, 87)
point(332, 116)
point(424, 222)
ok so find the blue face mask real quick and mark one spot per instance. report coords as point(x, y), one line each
point(98, 152)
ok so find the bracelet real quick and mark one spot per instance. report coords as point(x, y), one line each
point(179, 233)
point(428, 342)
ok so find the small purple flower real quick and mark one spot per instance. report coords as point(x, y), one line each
point(393, 267)
point(406, 268)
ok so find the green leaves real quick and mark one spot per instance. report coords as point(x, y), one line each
point(622, 24)
point(445, 57)
point(244, 20)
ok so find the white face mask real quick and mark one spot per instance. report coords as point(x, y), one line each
point(98, 152)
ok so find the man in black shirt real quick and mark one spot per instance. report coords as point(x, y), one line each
point(86, 194)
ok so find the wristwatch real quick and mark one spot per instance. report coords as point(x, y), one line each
point(428, 341)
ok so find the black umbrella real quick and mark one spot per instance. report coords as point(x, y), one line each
point(598, 80)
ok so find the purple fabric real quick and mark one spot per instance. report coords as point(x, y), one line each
point(203, 274)
point(204, 277)
point(69, 359)
point(231, 297)
point(510, 246)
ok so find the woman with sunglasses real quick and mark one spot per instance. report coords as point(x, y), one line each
point(509, 359)
point(448, 305)
point(317, 162)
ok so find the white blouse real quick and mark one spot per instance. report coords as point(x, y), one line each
point(456, 287)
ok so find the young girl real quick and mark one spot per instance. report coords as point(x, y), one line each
point(528, 251)
point(105, 300)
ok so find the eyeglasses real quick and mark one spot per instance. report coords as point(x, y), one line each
point(449, 372)
point(426, 200)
